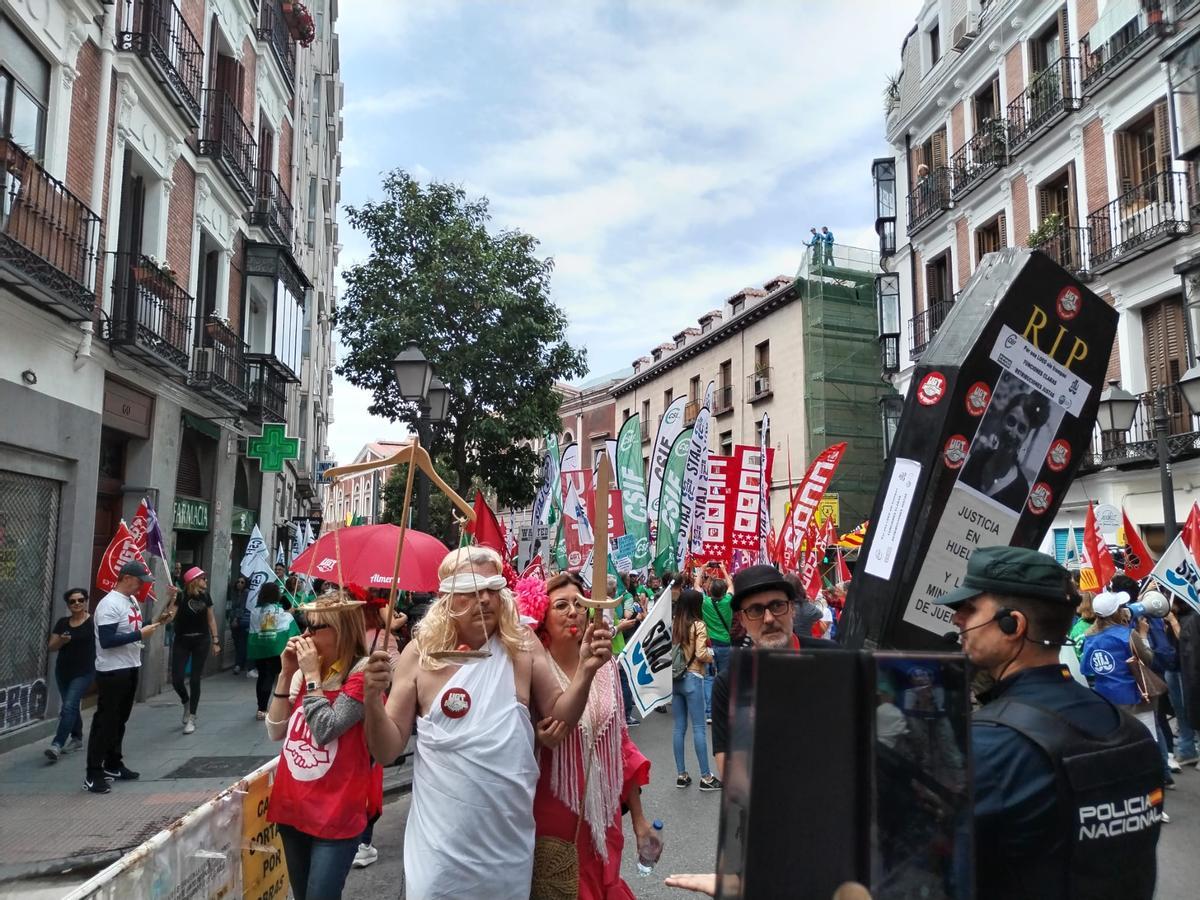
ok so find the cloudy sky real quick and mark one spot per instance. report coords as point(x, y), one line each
point(666, 154)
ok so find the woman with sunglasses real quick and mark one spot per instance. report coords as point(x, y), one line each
point(74, 637)
point(326, 786)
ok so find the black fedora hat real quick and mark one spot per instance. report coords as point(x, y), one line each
point(756, 579)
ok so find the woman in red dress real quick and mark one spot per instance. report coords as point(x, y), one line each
point(326, 787)
point(600, 741)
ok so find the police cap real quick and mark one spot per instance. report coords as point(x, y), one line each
point(1013, 572)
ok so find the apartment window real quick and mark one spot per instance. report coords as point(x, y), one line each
point(625, 414)
point(680, 341)
point(762, 356)
point(937, 280)
point(706, 325)
point(311, 228)
point(694, 388)
point(987, 104)
point(645, 411)
point(1144, 149)
point(725, 374)
point(737, 305)
point(758, 433)
point(990, 237)
point(24, 91)
point(314, 121)
point(932, 153)
point(1046, 48)
point(668, 396)
point(726, 443)
point(1165, 341)
point(935, 45)
point(656, 354)
point(1054, 197)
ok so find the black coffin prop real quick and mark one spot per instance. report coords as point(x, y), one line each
point(846, 766)
point(997, 419)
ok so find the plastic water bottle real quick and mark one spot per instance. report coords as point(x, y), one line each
point(650, 849)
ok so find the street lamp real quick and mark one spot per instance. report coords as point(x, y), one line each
point(417, 384)
point(1116, 413)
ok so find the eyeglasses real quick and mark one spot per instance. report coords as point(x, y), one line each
point(314, 627)
point(77, 599)
point(776, 607)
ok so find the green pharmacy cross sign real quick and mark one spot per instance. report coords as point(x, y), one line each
point(272, 447)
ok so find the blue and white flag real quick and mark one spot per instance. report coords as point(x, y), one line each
point(646, 658)
point(280, 559)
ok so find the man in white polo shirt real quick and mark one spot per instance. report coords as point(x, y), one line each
point(119, 634)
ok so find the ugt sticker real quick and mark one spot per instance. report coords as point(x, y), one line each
point(1039, 498)
point(977, 398)
point(1068, 303)
point(1059, 455)
point(955, 451)
point(456, 703)
point(931, 389)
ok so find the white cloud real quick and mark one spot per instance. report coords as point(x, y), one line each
point(396, 100)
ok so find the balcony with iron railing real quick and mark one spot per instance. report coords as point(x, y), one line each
point(151, 313)
point(267, 389)
point(1138, 447)
point(273, 30)
point(48, 237)
point(1068, 246)
point(1123, 35)
point(929, 199)
point(723, 399)
point(219, 365)
point(1051, 96)
point(273, 209)
point(979, 158)
point(157, 32)
point(1146, 216)
point(924, 325)
point(226, 138)
point(758, 385)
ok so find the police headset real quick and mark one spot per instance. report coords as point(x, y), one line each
point(1008, 624)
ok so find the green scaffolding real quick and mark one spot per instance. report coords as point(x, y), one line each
point(842, 384)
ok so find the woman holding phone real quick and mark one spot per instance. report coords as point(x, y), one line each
point(74, 637)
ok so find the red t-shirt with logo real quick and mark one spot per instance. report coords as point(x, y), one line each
point(327, 792)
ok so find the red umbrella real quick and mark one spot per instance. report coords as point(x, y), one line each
point(368, 558)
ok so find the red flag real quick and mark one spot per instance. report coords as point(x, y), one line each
point(1138, 563)
point(804, 504)
point(487, 528)
point(843, 571)
point(811, 576)
point(1191, 532)
point(1097, 550)
point(535, 570)
point(121, 549)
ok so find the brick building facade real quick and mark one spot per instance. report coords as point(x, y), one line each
point(164, 293)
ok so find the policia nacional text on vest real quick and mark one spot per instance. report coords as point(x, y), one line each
point(1110, 800)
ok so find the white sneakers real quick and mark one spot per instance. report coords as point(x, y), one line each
point(189, 724)
point(365, 856)
point(186, 715)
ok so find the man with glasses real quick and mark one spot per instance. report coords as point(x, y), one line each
point(765, 601)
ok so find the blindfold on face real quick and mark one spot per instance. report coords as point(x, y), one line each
point(470, 583)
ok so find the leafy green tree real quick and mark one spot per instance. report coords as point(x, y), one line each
point(478, 305)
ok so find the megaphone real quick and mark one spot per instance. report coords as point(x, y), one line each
point(1152, 604)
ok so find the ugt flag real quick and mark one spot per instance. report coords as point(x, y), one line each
point(646, 658)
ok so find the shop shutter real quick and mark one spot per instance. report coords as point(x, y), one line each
point(1162, 138)
point(938, 151)
point(187, 479)
point(1002, 227)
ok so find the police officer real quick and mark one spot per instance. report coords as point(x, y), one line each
point(1068, 789)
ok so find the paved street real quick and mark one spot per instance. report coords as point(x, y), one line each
point(690, 820)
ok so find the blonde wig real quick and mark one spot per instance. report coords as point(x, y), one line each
point(338, 610)
point(437, 632)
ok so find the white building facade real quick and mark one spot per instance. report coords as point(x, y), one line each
point(1054, 125)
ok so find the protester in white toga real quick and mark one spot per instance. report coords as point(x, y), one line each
point(470, 830)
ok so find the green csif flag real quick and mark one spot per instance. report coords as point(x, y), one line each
point(670, 498)
point(631, 479)
point(558, 556)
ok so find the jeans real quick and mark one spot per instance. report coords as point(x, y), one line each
point(239, 646)
point(369, 832)
point(269, 668)
point(194, 647)
point(1186, 747)
point(115, 693)
point(70, 722)
point(317, 868)
point(720, 660)
point(627, 696)
point(688, 703)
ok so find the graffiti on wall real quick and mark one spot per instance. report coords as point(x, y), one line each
point(22, 703)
